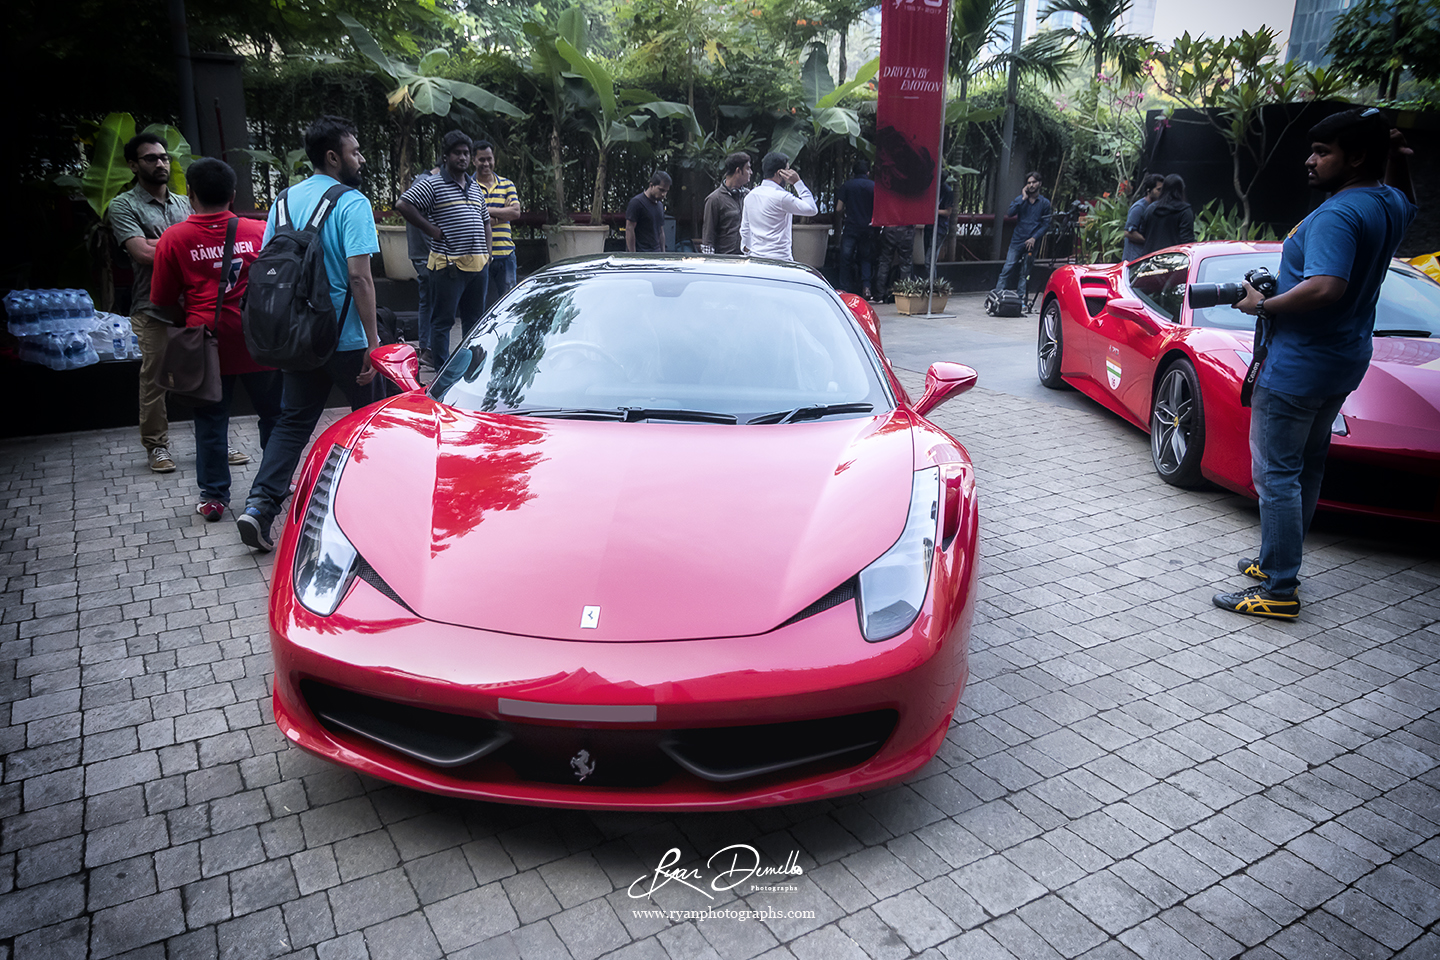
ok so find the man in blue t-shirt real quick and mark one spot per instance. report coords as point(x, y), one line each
point(348, 238)
point(1319, 328)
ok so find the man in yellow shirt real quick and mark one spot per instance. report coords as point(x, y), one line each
point(504, 207)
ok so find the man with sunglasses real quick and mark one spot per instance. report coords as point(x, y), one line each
point(137, 218)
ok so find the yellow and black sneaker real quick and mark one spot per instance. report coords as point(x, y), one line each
point(1250, 567)
point(1258, 601)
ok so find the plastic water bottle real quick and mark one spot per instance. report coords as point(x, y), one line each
point(87, 305)
point(134, 346)
point(117, 339)
point(29, 314)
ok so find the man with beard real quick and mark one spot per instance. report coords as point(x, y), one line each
point(1032, 218)
point(453, 210)
point(137, 218)
point(348, 238)
point(1314, 338)
point(725, 206)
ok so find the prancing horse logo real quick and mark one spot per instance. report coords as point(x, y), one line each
point(581, 763)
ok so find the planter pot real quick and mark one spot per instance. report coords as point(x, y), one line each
point(808, 242)
point(916, 305)
point(562, 243)
point(395, 252)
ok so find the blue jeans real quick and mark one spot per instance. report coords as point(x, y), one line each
point(502, 278)
point(422, 317)
point(1289, 437)
point(454, 292)
point(856, 244)
point(212, 428)
point(1016, 259)
point(303, 397)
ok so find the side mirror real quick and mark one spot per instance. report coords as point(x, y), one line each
point(1128, 308)
point(942, 381)
point(398, 363)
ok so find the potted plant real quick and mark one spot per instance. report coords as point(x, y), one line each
point(394, 245)
point(912, 295)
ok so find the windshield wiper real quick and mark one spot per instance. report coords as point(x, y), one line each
point(569, 413)
point(812, 412)
point(623, 414)
point(636, 414)
point(1402, 333)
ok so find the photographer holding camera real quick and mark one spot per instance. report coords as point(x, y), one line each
point(1318, 329)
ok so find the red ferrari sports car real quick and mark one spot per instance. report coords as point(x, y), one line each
point(666, 531)
point(1126, 336)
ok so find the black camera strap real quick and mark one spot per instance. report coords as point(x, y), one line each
point(1261, 349)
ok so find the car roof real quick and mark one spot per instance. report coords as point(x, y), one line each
point(733, 266)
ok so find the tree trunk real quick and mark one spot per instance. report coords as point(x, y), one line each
point(597, 205)
point(561, 212)
point(844, 34)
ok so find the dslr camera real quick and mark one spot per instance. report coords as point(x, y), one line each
point(1214, 294)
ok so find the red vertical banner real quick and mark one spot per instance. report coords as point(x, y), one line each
point(914, 47)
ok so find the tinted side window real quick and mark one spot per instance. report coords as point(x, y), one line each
point(1159, 282)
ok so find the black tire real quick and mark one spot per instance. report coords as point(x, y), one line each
point(1050, 347)
point(1177, 426)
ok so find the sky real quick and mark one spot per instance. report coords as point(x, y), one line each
point(1221, 18)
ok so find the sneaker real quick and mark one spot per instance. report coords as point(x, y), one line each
point(255, 530)
point(1257, 601)
point(238, 458)
point(160, 460)
point(211, 510)
point(868, 294)
point(1250, 567)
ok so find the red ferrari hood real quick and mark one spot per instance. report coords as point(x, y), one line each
point(1400, 394)
point(674, 531)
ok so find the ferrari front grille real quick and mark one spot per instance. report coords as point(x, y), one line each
point(596, 756)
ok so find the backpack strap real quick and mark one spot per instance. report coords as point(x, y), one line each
point(282, 209)
point(328, 202)
point(225, 267)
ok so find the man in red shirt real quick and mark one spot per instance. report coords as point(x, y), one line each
point(187, 273)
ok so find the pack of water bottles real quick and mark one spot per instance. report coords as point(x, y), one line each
point(60, 329)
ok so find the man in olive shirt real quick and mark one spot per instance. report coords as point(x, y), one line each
point(725, 206)
point(137, 218)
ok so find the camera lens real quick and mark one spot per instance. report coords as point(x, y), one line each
point(1214, 294)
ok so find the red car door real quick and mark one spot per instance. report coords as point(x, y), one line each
point(1130, 342)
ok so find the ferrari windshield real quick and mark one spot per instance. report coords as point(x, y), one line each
point(664, 345)
point(1409, 303)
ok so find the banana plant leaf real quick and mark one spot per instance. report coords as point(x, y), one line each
point(367, 46)
point(108, 173)
point(836, 120)
point(483, 99)
point(815, 80)
point(595, 75)
point(862, 76)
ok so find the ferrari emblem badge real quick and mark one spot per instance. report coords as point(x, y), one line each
point(582, 765)
point(1112, 372)
point(589, 618)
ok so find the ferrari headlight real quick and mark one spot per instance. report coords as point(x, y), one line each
point(325, 562)
point(1338, 428)
point(892, 589)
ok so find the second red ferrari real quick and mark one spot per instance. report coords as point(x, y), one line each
point(1126, 336)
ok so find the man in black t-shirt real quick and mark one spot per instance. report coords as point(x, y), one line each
point(856, 204)
point(645, 216)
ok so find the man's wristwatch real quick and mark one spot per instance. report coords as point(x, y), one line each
point(1260, 307)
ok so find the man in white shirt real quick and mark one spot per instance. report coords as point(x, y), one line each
point(770, 208)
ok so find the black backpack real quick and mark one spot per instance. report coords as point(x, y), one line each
point(1000, 303)
point(288, 317)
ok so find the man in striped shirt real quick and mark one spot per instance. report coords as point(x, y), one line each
point(504, 207)
point(452, 210)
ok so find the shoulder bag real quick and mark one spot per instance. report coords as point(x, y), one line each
point(190, 369)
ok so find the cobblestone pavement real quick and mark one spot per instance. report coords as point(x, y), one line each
point(1131, 773)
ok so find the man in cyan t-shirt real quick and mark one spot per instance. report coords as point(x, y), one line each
point(645, 216)
point(1319, 328)
point(348, 239)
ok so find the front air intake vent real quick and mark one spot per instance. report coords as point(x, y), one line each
point(841, 594)
point(370, 576)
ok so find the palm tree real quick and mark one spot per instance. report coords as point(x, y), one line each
point(1100, 36)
